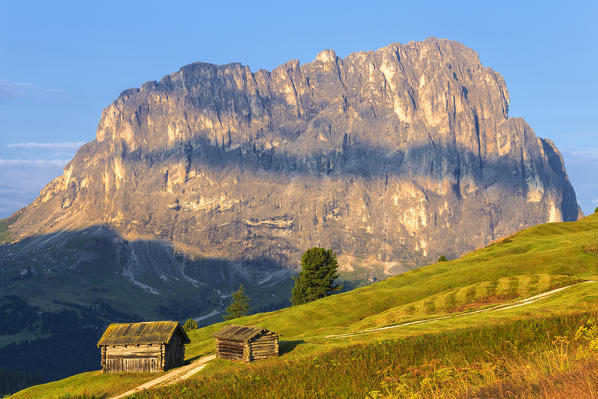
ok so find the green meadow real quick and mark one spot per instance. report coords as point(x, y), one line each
point(529, 350)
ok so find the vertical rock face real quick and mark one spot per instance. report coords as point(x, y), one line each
point(396, 155)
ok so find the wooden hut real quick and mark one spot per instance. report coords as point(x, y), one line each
point(245, 343)
point(143, 347)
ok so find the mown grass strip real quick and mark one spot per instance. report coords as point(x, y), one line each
point(358, 370)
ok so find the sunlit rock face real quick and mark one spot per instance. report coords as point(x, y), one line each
point(396, 156)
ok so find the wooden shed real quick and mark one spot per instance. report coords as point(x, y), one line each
point(143, 347)
point(245, 343)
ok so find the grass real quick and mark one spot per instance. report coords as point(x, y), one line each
point(5, 235)
point(530, 262)
point(539, 258)
point(578, 382)
point(94, 384)
point(442, 365)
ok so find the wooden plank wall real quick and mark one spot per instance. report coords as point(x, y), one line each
point(230, 349)
point(263, 346)
point(175, 353)
point(136, 365)
point(103, 356)
point(134, 358)
point(260, 347)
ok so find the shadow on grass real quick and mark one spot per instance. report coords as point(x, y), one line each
point(194, 358)
point(288, 346)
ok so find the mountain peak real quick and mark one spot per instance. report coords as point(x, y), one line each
point(326, 56)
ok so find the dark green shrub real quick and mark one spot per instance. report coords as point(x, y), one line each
point(190, 324)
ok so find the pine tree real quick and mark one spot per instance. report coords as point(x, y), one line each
point(239, 306)
point(317, 277)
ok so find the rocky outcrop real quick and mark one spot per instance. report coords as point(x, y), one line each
point(395, 156)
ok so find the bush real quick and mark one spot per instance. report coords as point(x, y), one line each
point(442, 258)
point(190, 324)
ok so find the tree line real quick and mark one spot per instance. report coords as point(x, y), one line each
point(12, 381)
point(317, 279)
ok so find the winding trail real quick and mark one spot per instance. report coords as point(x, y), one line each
point(495, 308)
point(173, 376)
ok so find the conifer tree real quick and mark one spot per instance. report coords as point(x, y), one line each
point(317, 277)
point(239, 305)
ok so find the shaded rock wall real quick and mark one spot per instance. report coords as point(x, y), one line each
point(395, 155)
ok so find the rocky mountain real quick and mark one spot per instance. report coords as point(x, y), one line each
point(396, 155)
point(217, 175)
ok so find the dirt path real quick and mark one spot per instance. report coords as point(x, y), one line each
point(177, 375)
point(182, 373)
point(504, 306)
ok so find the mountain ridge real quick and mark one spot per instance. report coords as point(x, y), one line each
point(201, 132)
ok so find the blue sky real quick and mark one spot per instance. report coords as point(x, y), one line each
point(62, 62)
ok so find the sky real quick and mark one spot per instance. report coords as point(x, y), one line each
point(62, 62)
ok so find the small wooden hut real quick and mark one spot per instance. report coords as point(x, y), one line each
point(245, 343)
point(143, 347)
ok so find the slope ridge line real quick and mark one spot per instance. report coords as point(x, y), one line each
point(504, 306)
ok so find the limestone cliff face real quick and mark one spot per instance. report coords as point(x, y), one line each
point(396, 155)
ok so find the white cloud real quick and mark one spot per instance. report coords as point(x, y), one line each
point(22, 179)
point(581, 164)
point(578, 153)
point(591, 153)
point(34, 162)
point(24, 173)
point(12, 90)
point(582, 133)
point(66, 145)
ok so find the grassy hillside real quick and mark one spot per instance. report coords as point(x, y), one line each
point(514, 354)
point(4, 228)
point(530, 262)
point(89, 278)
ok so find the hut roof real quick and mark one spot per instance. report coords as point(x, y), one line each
point(151, 332)
point(239, 333)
